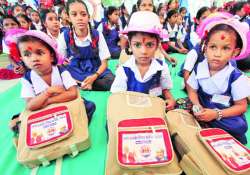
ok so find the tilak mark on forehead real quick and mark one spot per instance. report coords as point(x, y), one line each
point(143, 40)
point(222, 37)
point(29, 48)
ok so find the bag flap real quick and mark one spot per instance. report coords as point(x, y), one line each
point(48, 126)
point(230, 153)
point(143, 142)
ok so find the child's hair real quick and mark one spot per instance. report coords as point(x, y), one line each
point(60, 10)
point(11, 17)
point(169, 15)
point(28, 38)
point(95, 50)
point(131, 34)
point(200, 12)
point(15, 6)
point(226, 28)
point(44, 13)
point(25, 17)
point(110, 10)
point(182, 9)
point(237, 7)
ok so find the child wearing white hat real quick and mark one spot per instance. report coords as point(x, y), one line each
point(142, 72)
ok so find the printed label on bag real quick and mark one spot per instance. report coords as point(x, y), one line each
point(233, 154)
point(143, 148)
point(47, 128)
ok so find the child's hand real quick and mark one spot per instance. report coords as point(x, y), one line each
point(206, 115)
point(183, 50)
point(18, 69)
point(173, 60)
point(55, 90)
point(170, 104)
point(87, 83)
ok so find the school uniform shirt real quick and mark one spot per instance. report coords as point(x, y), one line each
point(39, 85)
point(218, 83)
point(120, 82)
point(5, 47)
point(102, 46)
point(56, 39)
point(190, 60)
point(38, 26)
point(194, 37)
point(173, 32)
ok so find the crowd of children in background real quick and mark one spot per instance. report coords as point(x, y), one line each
point(86, 43)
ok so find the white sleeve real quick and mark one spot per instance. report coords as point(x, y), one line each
point(240, 88)
point(67, 79)
point(120, 82)
point(5, 47)
point(100, 28)
point(194, 38)
point(192, 81)
point(103, 48)
point(166, 81)
point(62, 47)
point(27, 90)
point(190, 60)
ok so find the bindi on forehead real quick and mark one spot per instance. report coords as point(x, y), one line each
point(29, 48)
point(222, 37)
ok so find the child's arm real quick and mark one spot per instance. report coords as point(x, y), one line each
point(87, 83)
point(166, 55)
point(170, 102)
point(37, 102)
point(182, 48)
point(63, 96)
point(238, 108)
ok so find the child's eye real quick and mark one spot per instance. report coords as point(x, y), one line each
point(26, 53)
point(212, 47)
point(150, 44)
point(40, 52)
point(84, 14)
point(226, 48)
point(137, 45)
point(73, 14)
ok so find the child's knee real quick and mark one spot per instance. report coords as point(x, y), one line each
point(90, 109)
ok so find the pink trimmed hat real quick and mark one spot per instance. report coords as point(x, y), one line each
point(241, 28)
point(145, 21)
point(12, 36)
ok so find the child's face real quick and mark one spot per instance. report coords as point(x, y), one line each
point(9, 23)
point(174, 5)
point(183, 13)
point(179, 20)
point(24, 24)
point(114, 17)
point(143, 47)
point(173, 19)
point(220, 49)
point(65, 16)
point(78, 16)
point(146, 5)
point(204, 16)
point(52, 22)
point(36, 56)
point(35, 17)
point(18, 10)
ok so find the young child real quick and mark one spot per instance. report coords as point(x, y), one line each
point(110, 29)
point(51, 23)
point(64, 19)
point(171, 26)
point(142, 72)
point(218, 88)
point(36, 21)
point(24, 21)
point(85, 49)
point(44, 82)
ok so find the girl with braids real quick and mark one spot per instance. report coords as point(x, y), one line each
point(110, 30)
point(86, 50)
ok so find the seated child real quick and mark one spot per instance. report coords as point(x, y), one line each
point(218, 88)
point(86, 50)
point(44, 82)
point(142, 72)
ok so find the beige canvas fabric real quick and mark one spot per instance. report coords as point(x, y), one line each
point(195, 157)
point(77, 141)
point(130, 105)
point(124, 56)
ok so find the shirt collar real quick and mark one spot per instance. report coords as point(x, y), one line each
point(219, 79)
point(87, 38)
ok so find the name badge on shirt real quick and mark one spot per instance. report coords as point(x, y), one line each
point(221, 99)
point(157, 91)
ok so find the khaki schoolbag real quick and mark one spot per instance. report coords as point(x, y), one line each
point(128, 107)
point(43, 137)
